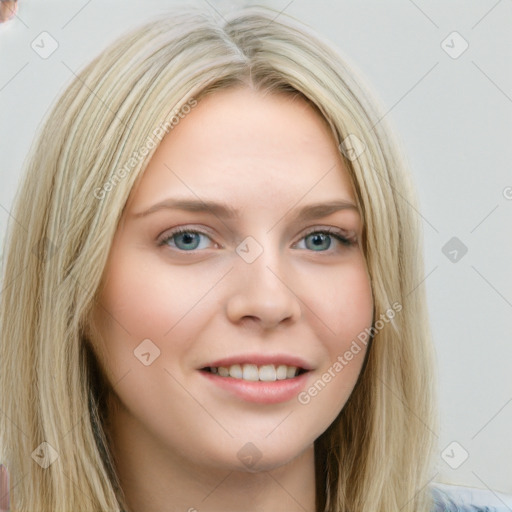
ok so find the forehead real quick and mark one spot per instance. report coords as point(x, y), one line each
point(250, 149)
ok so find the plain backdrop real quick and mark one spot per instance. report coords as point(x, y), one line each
point(452, 109)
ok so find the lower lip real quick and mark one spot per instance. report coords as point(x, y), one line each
point(258, 391)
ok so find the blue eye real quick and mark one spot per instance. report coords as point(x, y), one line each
point(188, 240)
point(185, 239)
point(321, 241)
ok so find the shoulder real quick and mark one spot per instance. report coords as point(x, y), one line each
point(457, 498)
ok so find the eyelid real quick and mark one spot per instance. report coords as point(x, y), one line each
point(169, 233)
point(348, 234)
point(347, 237)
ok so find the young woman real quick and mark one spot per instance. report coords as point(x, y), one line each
point(211, 295)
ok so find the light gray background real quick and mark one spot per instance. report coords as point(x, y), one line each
point(453, 116)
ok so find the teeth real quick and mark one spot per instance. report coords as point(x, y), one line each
point(268, 373)
point(223, 372)
point(236, 371)
point(281, 372)
point(291, 372)
point(251, 372)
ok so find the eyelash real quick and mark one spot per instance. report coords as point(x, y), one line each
point(344, 241)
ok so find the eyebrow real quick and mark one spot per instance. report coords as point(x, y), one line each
point(224, 211)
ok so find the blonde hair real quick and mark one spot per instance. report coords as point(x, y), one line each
point(376, 456)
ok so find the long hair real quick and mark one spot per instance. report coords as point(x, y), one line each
point(95, 143)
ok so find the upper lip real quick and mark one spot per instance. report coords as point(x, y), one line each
point(261, 359)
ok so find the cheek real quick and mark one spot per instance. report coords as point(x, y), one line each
point(343, 305)
point(145, 299)
point(142, 299)
point(342, 301)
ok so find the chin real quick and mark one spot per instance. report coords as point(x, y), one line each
point(257, 458)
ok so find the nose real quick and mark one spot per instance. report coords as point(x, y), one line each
point(263, 295)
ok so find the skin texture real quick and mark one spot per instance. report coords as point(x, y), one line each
point(177, 435)
point(8, 10)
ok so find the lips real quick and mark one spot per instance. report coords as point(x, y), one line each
point(253, 372)
point(258, 367)
point(262, 378)
point(260, 360)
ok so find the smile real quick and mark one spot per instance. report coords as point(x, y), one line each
point(253, 373)
point(265, 384)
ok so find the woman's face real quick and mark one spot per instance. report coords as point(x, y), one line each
point(250, 287)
